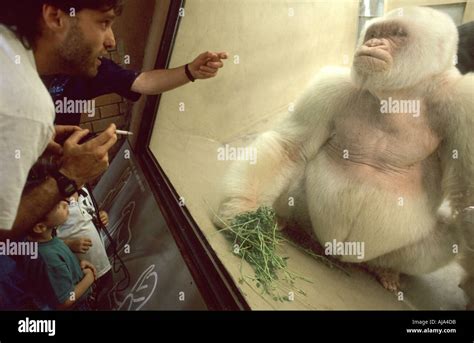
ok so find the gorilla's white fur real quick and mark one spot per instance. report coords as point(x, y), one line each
point(358, 175)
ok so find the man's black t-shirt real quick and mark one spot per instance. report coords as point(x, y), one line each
point(111, 78)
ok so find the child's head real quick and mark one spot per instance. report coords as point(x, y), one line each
point(57, 216)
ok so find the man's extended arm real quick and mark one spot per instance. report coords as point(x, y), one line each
point(205, 66)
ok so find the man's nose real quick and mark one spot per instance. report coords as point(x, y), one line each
point(109, 42)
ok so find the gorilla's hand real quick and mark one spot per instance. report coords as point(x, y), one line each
point(230, 208)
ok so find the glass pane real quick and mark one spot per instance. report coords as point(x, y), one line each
point(275, 47)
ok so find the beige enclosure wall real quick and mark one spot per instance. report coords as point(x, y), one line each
point(275, 48)
point(469, 14)
point(276, 54)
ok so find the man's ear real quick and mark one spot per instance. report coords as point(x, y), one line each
point(40, 228)
point(54, 18)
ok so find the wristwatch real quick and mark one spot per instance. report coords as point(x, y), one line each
point(66, 186)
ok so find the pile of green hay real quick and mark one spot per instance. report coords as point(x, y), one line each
point(255, 238)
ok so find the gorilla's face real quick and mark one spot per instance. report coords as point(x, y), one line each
point(382, 43)
point(404, 49)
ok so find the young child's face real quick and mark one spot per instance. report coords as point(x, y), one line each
point(58, 214)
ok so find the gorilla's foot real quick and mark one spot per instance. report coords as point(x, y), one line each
point(388, 278)
point(467, 285)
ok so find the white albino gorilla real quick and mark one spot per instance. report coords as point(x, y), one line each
point(370, 153)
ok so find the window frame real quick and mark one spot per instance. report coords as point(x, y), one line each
point(221, 293)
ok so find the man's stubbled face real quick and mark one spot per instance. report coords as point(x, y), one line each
point(88, 38)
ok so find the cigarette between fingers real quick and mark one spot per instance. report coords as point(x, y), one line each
point(122, 132)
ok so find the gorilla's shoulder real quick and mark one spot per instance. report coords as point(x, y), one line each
point(328, 89)
point(455, 100)
point(464, 90)
point(332, 76)
point(331, 82)
point(461, 91)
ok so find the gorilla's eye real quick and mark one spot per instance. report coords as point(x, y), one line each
point(400, 32)
point(372, 33)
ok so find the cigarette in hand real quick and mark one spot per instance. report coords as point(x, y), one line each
point(122, 132)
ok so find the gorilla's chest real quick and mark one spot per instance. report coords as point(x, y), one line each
point(383, 140)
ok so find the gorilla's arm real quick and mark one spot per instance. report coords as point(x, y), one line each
point(281, 150)
point(458, 175)
point(457, 155)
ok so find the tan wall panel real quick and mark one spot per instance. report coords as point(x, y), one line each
point(391, 4)
point(469, 12)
